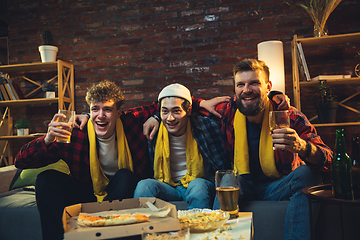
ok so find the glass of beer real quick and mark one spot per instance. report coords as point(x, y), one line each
point(70, 119)
point(227, 190)
point(279, 119)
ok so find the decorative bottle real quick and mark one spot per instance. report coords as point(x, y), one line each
point(355, 168)
point(341, 169)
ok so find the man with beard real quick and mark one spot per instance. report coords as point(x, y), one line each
point(267, 174)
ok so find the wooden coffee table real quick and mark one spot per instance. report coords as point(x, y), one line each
point(242, 226)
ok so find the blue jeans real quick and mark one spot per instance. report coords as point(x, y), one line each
point(199, 193)
point(297, 224)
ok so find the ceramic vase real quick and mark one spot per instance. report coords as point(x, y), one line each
point(326, 112)
point(22, 131)
point(49, 94)
point(319, 31)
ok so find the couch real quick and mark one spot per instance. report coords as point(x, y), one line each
point(19, 218)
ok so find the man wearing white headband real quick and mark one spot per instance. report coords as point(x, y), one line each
point(185, 153)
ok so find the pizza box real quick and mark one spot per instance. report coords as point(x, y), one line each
point(155, 224)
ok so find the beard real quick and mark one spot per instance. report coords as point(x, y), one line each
point(250, 109)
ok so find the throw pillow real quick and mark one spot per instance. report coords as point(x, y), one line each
point(27, 177)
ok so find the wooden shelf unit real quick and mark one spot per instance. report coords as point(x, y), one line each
point(65, 100)
point(297, 84)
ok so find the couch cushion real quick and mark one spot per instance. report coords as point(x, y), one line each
point(268, 218)
point(180, 205)
point(19, 217)
point(27, 177)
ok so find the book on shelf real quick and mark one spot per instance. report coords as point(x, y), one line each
point(10, 92)
point(1, 97)
point(18, 90)
point(4, 92)
point(14, 91)
point(327, 77)
point(302, 63)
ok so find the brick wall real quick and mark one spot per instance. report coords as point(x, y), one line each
point(145, 45)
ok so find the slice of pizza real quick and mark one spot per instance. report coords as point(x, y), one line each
point(88, 220)
point(125, 219)
point(110, 220)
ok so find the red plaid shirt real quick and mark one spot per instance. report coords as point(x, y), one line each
point(285, 160)
point(36, 154)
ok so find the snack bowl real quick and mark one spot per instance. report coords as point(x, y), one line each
point(202, 220)
point(183, 234)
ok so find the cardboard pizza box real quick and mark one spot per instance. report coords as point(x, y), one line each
point(155, 224)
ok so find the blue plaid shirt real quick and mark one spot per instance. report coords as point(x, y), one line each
point(207, 133)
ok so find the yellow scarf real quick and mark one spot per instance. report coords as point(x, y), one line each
point(100, 181)
point(194, 160)
point(266, 152)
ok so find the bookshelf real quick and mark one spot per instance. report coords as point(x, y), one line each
point(65, 78)
point(297, 84)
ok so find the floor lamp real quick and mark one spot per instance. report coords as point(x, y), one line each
point(272, 53)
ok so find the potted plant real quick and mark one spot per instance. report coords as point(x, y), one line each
point(325, 103)
point(49, 89)
point(22, 125)
point(319, 11)
point(47, 50)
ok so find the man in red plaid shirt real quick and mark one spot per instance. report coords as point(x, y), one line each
point(278, 174)
point(106, 159)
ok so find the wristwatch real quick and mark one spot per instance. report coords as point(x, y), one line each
point(307, 151)
point(156, 117)
point(87, 114)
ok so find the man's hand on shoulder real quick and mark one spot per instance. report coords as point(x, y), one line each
point(150, 127)
point(210, 105)
point(283, 102)
point(83, 119)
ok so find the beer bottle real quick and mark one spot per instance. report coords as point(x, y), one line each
point(341, 169)
point(355, 168)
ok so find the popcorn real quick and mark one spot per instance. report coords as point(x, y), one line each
point(224, 228)
point(220, 234)
point(164, 236)
point(202, 221)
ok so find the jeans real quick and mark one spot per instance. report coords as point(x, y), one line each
point(55, 190)
point(199, 193)
point(297, 224)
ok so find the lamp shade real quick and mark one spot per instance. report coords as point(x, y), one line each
point(272, 53)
